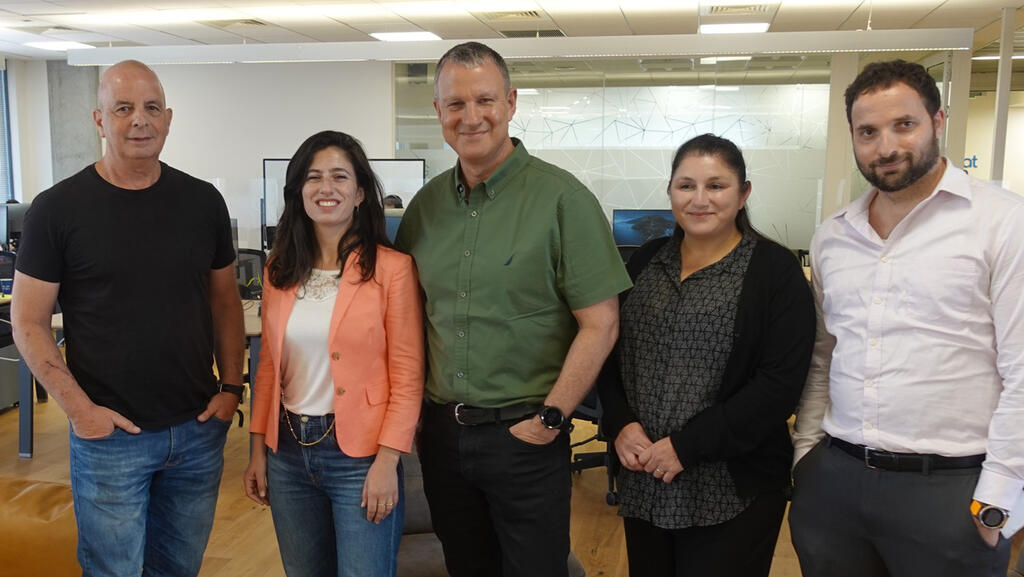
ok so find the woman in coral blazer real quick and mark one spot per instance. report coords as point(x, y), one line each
point(340, 381)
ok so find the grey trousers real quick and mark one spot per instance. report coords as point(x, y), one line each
point(849, 520)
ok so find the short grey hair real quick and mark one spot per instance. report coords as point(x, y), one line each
point(472, 55)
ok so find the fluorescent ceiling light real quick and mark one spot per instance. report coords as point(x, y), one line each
point(996, 57)
point(404, 36)
point(747, 27)
point(156, 17)
point(58, 46)
point(527, 91)
point(717, 59)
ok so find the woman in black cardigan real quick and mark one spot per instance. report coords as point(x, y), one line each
point(714, 344)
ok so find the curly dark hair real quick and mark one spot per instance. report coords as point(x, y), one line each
point(295, 247)
point(882, 75)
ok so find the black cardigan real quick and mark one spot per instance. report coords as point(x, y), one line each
point(762, 382)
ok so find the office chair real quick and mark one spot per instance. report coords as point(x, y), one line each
point(590, 410)
point(7, 264)
point(249, 272)
point(626, 251)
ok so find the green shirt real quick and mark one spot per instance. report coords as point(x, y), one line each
point(502, 269)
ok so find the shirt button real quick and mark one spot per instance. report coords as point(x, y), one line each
point(873, 342)
point(335, 356)
point(467, 253)
point(868, 426)
point(304, 419)
point(461, 334)
point(462, 294)
point(473, 214)
point(869, 383)
point(460, 374)
point(885, 259)
point(877, 300)
point(340, 391)
point(461, 189)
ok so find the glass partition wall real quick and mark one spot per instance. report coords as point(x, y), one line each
point(615, 124)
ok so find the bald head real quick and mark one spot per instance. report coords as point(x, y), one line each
point(131, 116)
point(121, 74)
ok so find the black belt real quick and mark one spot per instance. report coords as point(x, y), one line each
point(879, 459)
point(471, 416)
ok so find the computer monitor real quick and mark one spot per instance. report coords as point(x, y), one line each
point(391, 226)
point(635, 226)
point(12, 216)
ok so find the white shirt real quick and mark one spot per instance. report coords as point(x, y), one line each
point(920, 345)
point(307, 387)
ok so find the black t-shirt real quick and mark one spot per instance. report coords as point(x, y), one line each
point(134, 272)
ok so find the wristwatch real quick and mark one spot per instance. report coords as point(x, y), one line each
point(237, 390)
point(989, 516)
point(553, 418)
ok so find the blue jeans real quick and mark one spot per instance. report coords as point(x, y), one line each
point(315, 494)
point(144, 503)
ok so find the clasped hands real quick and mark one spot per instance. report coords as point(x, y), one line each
point(638, 453)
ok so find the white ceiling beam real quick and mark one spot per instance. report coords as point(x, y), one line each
point(580, 47)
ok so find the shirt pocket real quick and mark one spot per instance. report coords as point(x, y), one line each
point(941, 290)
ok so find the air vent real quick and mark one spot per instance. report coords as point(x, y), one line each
point(224, 24)
point(741, 10)
point(552, 33)
point(511, 16)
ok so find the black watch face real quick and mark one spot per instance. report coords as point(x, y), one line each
point(992, 517)
point(551, 417)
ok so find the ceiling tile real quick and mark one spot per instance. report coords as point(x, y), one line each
point(680, 19)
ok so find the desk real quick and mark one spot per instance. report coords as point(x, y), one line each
point(26, 398)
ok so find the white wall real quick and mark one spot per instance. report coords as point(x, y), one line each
point(32, 162)
point(229, 117)
point(978, 150)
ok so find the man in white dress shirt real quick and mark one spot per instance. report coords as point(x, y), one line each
point(910, 433)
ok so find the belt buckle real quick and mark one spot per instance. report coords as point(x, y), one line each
point(867, 458)
point(458, 417)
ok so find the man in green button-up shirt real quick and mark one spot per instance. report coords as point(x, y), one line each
point(521, 275)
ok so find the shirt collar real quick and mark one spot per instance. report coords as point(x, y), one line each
point(954, 181)
point(494, 184)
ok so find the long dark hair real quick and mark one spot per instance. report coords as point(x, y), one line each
point(729, 153)
point(295, 247)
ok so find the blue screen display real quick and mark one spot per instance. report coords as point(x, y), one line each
point(633, 227)
point(391, 226)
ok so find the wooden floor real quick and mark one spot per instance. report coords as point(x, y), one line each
point(243, 542)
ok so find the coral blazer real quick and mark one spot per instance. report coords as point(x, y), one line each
point(376, 357)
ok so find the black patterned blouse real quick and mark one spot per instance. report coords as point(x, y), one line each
point(675, 340)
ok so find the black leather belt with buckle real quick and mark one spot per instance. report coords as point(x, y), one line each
point(471, 416)
point(916, 462)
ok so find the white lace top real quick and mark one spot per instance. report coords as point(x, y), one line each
point(306, 384)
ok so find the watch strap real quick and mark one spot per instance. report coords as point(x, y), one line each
point(238, 390)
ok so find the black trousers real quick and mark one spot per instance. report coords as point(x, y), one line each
point(741, 547)
point(500, 506)
point(848, 520)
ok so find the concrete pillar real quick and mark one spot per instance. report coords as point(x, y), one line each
point(73, 137)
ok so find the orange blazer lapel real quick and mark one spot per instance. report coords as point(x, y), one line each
point(347, 287)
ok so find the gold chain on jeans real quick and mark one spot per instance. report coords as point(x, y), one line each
point(288, 420)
